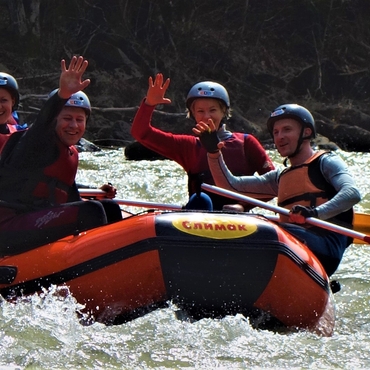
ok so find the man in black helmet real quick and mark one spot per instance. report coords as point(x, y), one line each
point(316, 184)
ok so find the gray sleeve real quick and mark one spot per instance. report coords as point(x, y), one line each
point(264, 186)
point(337, 174)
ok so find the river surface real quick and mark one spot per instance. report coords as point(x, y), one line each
point(43, 332)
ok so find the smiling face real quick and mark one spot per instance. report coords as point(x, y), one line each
point(71, 124)
point(6, 105)
point(206, 108)
point(286, 133)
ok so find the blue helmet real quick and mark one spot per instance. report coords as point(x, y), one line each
point(294, 111)
point(207, 89)
point(77, 100)
point(9, 83)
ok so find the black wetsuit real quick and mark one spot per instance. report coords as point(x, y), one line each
point(28, 219)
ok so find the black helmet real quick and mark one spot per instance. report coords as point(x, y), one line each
point(207, 89)
point(294, 111)
point(9, 83)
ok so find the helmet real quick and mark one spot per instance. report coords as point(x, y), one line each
point(294, 111)
point(207, 89)
point(9, 83)
point(77, 100)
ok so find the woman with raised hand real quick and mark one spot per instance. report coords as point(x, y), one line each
point(205, 100)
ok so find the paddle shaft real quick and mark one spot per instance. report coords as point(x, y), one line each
point(310, 220)
point(162, 206)
point(135, 203)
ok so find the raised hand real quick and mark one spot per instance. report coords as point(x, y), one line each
point(157, 90)
point(70, 77)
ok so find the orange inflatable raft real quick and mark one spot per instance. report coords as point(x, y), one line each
point(209, 264)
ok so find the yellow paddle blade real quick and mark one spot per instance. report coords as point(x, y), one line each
point(361, 224)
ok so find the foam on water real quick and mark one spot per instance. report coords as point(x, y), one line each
point(44, 331)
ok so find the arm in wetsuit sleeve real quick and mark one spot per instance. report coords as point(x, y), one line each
point(264, 186)
point(336, 173)
point(74, 194)
point(179, 148)
point(38, 145)
point(39, 136)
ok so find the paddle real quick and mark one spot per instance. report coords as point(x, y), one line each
point(137, 203)
point(361, 221)
point(310, 220)
point(97, 193)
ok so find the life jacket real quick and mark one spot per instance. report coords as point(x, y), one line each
point(306, 185)
point(58, 177)
point(5, 137)
point(38, 187)
point(235, 157)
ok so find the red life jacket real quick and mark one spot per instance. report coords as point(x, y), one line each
point(5, 137)
point(234, 155)
point(58, 177)
point(39, 187)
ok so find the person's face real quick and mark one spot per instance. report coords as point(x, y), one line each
point(71, 124)
point(206, 108)
point(286, 133)
point(6, 105)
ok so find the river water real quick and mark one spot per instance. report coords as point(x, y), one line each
point(43, 332)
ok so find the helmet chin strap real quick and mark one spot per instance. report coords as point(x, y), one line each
point(298, 148)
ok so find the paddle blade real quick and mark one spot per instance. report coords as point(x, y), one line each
point(361, 223)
